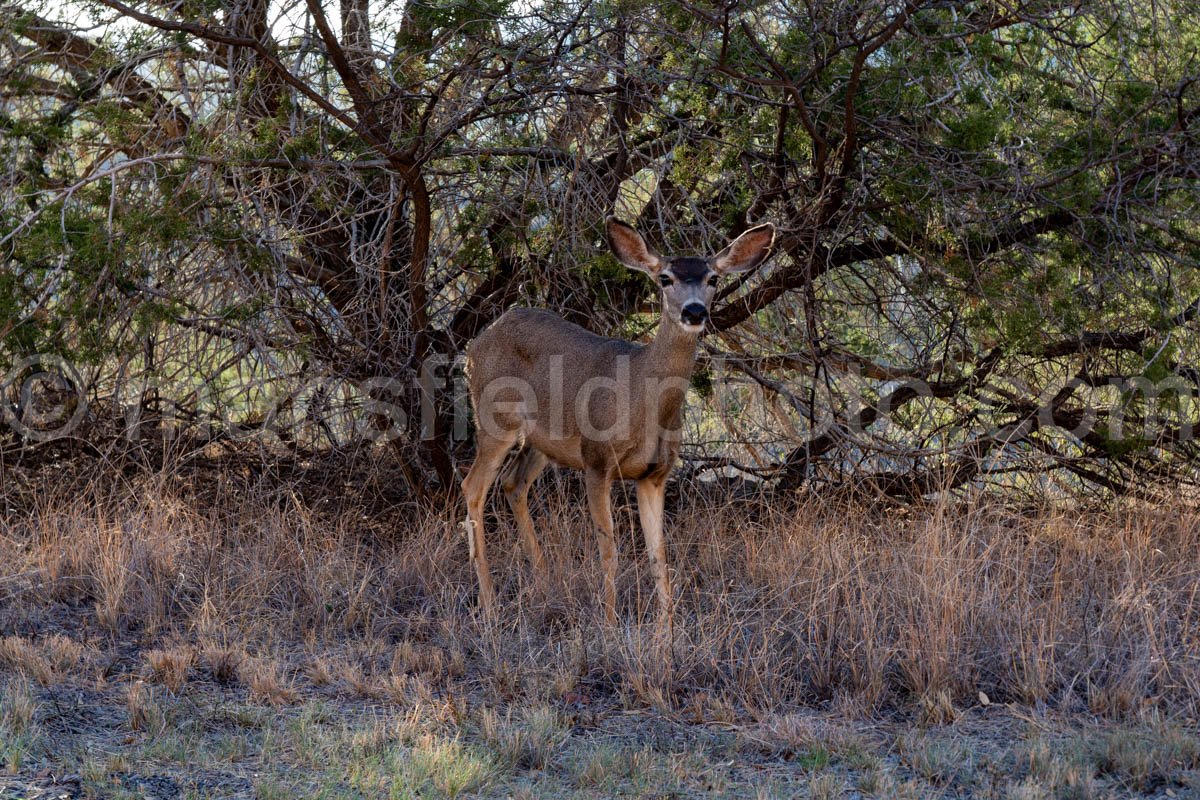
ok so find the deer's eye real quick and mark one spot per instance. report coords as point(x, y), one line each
point(712, 280)
point(666, 280)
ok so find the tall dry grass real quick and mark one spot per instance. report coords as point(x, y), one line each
point(861, 607)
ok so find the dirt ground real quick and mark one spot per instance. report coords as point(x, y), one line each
point(131, 723)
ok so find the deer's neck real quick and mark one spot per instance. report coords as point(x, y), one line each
point(671, 353)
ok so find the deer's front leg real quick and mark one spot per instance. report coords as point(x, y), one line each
point(650, 494)
point(599, 484)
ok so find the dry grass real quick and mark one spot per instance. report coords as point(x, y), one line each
point(47, 661)
point(221, 662)
point(146, 708)
point(530, 739)
point(854, 610)
point(266, 682)
point(171, 667)
point(19, 733)
point(920, 609)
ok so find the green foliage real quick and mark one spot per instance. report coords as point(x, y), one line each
point(432, 17)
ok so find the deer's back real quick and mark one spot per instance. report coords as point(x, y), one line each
point(528, 371)
point(530, 343)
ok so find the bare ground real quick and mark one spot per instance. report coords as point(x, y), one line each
point(142, 740)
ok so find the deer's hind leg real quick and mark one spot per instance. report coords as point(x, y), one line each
point(516, 479)
point(490, 452)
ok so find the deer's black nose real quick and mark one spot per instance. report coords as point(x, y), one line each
point(694, 314)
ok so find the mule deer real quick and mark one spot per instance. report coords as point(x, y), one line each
point(608, 407)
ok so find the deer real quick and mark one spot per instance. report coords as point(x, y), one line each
point(608, 407)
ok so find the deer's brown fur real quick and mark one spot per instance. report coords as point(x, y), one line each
point(608, 407)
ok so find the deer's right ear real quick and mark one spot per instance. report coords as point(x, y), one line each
point(630, 248)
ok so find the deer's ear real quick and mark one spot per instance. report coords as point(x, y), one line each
point(747, 251)
point(630, 248)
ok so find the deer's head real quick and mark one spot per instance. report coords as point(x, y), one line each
point(688, 283)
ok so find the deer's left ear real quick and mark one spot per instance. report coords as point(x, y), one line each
point(747, 251)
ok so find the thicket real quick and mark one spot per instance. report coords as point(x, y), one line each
point(284, 222)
